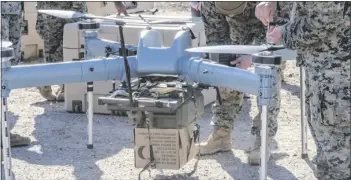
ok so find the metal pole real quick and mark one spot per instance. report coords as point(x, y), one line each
point(264, 144)
point(6, 148)
point(90, 114)
point(303, 113)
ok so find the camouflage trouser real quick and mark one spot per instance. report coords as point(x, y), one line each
point(329, 105)
point(11, 28)
point(50, 29)
point(242, 29)
point(228, 112)
point(308, 95)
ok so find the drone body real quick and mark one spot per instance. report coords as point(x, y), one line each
point(151, 59)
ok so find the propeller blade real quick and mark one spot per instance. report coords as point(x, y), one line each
point(236, 49)
point(169, 22)
point(72, 15)
point(229, 49)
point(63, 14)
point(275, 48)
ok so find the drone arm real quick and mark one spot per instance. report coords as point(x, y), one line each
point(211, 73)
point(68, 72)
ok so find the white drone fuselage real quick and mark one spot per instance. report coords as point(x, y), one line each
point(151, 58)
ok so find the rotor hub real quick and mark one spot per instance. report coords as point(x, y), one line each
point(88, 25)
point(267, 57)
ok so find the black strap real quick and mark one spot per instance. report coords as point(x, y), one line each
point(192, 36)
point(219, 98)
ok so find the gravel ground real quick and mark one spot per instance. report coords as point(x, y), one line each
point(59, 149)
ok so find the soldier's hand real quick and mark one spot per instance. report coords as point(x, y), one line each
point(196, 5)
point(121, 8)
point(275, 35)
point(242, 62)
point(265, 11)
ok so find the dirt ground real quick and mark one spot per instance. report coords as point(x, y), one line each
point(59, 152)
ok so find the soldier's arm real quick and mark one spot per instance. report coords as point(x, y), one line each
point(195, 5)
point(312, 24)
point(119, 4)
point(216, 27)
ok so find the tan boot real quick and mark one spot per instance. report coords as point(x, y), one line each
point(219, 141)
point(60, 94)
point(46, 92)
point(254, 155)
point(18, 140)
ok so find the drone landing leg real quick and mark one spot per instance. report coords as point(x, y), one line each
point(6, 147)
point(90, 114)
point(267, 75)
point(303, 115)
point(264, 144)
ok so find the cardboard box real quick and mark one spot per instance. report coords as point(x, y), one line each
point(173, 148)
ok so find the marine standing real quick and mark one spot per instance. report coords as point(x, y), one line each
point(321, 34)
point(11, 30)
point(50, 29)
point(236, 26)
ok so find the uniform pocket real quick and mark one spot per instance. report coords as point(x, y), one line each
point(335, 99)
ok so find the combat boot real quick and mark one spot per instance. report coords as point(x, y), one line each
point(60, 94)
point(46, 93)
point(254, 155)
point(17, 140)
point(219, 141)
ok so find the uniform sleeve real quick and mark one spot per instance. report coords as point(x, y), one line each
point(312, 24)
point(216, 25)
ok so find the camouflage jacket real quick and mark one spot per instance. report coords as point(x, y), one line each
point(319, 26)
point(12, 7)
point(80, 6)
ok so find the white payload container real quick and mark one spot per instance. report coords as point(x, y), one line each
point(73, 43)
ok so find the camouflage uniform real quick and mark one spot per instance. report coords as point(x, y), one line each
point(50, 29)
point(11, 26)
point(321, 36)
point(11, 30)
point(241, 29)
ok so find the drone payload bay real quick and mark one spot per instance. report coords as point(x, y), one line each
point(166, 95)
